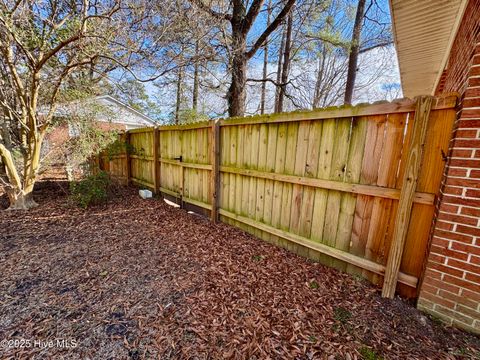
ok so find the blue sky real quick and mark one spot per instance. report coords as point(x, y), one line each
point(387, 85)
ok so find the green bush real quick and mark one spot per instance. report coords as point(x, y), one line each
point(91, 190)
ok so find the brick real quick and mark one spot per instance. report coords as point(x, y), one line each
point(470, 114)
point(432, 290)
point(475, 259)
point(438, 300)
point(454, 290)
point(468, 249)
point(474, 82)
point(469, 183)
point(424, 304)
point(464, 266)
point(443, 225)
point(475, 174)
point(470, 211)
point(458, 299)
point(476, 60)
point(454, 315)
point(472, 92)
point(468, 311)
point(473, 193)
point(459, 219)
point(465, 327)
point(470, 295)
point(464, 238)
point(444, 251)
point(466, 133)
point(468, 230)
point(446, 270)
point(461, 201)
point(462, 153)
point(450, 190)
point(476, 324)
point(433, 274)
point(466, 163)
point(452, 209)
point(473, 277)
point(437, 258)
point(440, 242)
point(474, 71)
point(468, 122)
point(457, 172)
point(462, 283)
point(438, 314)
point(473, 102)
point(438, 250)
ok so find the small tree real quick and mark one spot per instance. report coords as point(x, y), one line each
point(53, 51)
point(88, 139)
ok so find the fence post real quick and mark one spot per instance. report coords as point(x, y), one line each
point(156, 164)
point(215, 178)
point(128, 169)
point(409, 184)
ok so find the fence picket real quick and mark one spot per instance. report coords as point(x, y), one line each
point(326, 185)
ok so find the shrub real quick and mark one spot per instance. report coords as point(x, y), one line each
point(91, 190)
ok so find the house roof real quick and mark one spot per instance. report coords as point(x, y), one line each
point(112, 100)
point(115, 112)
point(424, 32)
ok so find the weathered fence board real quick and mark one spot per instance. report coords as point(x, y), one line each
point(325, 184)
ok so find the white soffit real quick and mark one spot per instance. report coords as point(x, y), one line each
point(424, 31)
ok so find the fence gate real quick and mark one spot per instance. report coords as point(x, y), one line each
point(185, 167)
point(352, 187)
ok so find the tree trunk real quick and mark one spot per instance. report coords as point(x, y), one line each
point(279, 69)
point(237, 93)
point(196, 80)
point(265, 64)
point(354, 51)
point(179, 96)
point(319, 82)
point(286, 63)
point(264, 84)
point(20, 193)
point(21, 199)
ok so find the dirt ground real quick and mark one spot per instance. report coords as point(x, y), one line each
point(138, 279)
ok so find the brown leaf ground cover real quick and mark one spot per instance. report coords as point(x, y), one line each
point(139, 279)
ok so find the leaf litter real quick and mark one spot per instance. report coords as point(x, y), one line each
point(137, 279)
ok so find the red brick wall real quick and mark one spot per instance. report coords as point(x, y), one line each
point(454, 78)
point(59, 135)
point(56, 138)
point(451, 285)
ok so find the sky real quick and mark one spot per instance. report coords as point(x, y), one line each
point(377, 77)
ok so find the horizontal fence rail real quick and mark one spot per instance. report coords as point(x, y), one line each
point(333, 185)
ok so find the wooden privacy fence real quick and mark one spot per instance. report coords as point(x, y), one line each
point(352, 187)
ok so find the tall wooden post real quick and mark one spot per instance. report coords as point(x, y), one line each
point(156, 164)
point(128, 168)
point(409, 184)
point(215, 178)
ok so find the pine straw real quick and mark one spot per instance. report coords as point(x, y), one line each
point(140, 279)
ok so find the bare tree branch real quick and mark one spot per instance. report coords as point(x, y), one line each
point(271, 28)
point(220, 16)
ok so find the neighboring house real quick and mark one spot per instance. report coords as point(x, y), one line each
point(438, 45)
point(109, 114)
